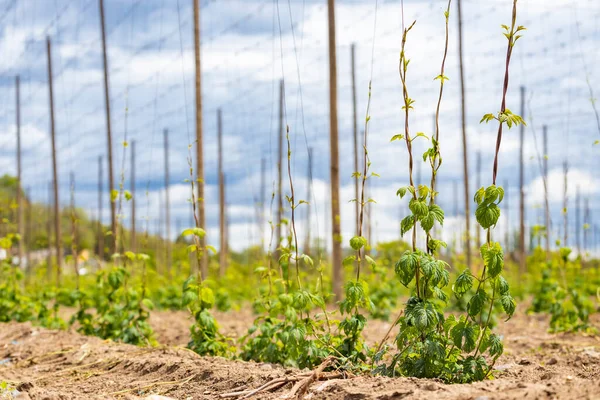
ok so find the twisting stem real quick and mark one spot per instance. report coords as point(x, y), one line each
point(292, 205)
point(505, 88)
point(402, 68)
point(366, 163)
point(436, 159)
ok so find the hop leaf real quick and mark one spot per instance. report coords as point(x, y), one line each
point(464, 283)
point(477, 302)
point(464, 335)
point(508, 304)
point(358, 242)
point(493, 257)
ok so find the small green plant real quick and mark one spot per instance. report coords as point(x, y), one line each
point(197, 297)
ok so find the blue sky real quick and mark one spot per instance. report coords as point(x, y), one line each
point(247, 46)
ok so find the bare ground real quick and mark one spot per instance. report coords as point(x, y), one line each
point(46, 364)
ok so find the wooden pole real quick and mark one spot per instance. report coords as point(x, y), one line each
point(222, 223)
point(546, 200)
point(100, 194)
point(565, 203)
point(463, 113)
point(133, 199)
point(49, 232)
point(57, 233)
point(19, 173)
point(522, 249)
point(308, 199)
point(478, 185)
point(263, 181)
point(355, 132)
point(111, 183)
point(336, 232)
point(29, 233)
point(281, 134)
point(74, 252)
point(586, 223)
point(199, 137)
point(578, 225)
point(168, 258)
point(507, 212)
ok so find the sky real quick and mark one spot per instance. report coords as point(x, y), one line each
point(247, 47)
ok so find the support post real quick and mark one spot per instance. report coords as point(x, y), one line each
point(336, 233)
point(546, 200)
point(522, 248)
point(19, 173)
point(463, 113)
point(222, 223)
point(308, 205)
point(133, 199)
point(57, 233)
point(280, 134)
point(199, 138)
point(168, 259)
point(111, 183)
point(355, 133)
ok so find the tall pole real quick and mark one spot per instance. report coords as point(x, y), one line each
point(478, 185)
point(279, 167)
point(522, 249)
point(586, 223)
point(222, 225)
point(463, 113)
point(261, 216)
point(49, 232)
point(565, 203)
point(507, 212)
point(455, 198)
point(133, 199)
point(100, 202)
point(111, 183)
point(57, 234)
point(28, 233)
point(578, 220)
point(355, 132)
point(167, 205)
point(546, 200)
point(199, 140)
point(74, 253)
point(336, 232)
point(308, 199)
point(19, 172)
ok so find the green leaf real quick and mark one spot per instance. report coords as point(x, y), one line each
point(407, 224)
point(464, 283)
point(493, 258)
point(437, 213)
point(207, 296)
point(114, 194)
point(370, 261)
point(418, 207)
point(401, 192)
point(477, 302)
point(508, 304)
point(496, 348)
point(397, 137)
point(487, 215)
point(406, 267)
point(358, 242)
point(349, 260)
point(464, 335)
point(501, 285)
point(421, 314)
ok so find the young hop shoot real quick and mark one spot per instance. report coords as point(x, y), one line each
point(431, 345)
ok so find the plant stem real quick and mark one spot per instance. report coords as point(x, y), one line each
point(292, 206)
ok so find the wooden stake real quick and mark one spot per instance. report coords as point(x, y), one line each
point(281, 134)
point(546, 201)
point(309, 200)
point(19, 173)
point(222, 223)
point(199, 138)
point(336, 233)
point(111, 183)
point(49, 232)
point(522, 249)
point(355, 131)
point(57, 233)
point(464, 139)
point(100, 202)
point(133, 199)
